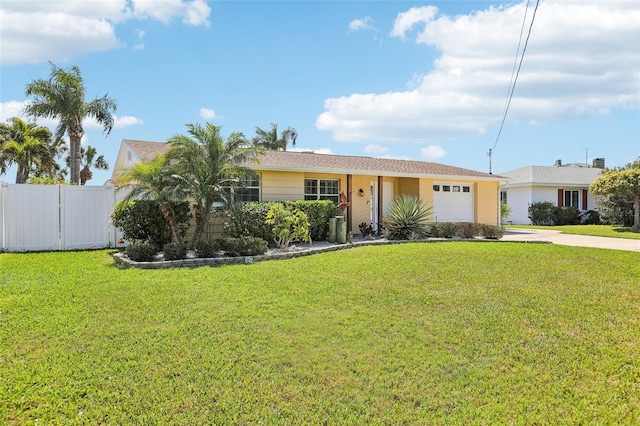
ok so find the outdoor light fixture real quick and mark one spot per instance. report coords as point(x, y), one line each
point(361, 192)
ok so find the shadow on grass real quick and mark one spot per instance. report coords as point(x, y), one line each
point(623, 229)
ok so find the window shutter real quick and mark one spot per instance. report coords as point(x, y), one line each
point(560, 197)
point(585, 194)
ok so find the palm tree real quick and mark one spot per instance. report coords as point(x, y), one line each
point(153, 180)
point(268, 139)
point(62, 97)
point(23, 144)
point(87, 156)
point(207, 167)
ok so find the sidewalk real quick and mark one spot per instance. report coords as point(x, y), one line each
point(556, 237)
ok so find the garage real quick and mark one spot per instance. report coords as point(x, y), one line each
point(453, 202)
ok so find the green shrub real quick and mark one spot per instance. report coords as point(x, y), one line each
point(247, 220)
point(174, 251)
point(444, 229)
point(408, 218)
point(243, 246)
point(541, 213)
point(491, 232)
point(143, 220)
point(287, 226)
point(591, 217)
point(467, 229)
point(566, 216)
point(505, 212)
point(141, 251)
point(318, 213)
point(207, 248)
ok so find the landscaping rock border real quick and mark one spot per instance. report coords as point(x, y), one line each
point(278, 254)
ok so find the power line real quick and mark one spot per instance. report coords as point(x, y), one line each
point(514, 80)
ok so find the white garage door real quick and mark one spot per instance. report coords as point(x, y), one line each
point(453, 202)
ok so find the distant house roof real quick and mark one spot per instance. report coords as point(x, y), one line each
point(553, 175)
point(146, 150)
point(339, 164)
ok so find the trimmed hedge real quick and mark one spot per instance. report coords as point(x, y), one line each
point(141, 251)
point(243, 246)
point(465, 230)
point(174, 251)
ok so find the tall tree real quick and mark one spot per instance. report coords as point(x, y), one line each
point(207, 167)
point(62, 97)
point(269, 139)
point(153, 180)
point(23, 144)
point(88, 161)
point(621, 183)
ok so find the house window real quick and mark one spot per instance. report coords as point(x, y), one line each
point(247, 191)
point(503, 197)
point(571, 199)
point(456, 188)
point(322, 189)
point(446, 188)
point(436, 188)
point(466, 189)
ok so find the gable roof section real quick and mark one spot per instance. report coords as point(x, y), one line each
point(146, 150)
point(294, 161)
point(552, 176)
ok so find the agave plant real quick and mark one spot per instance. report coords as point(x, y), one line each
point(408, 219)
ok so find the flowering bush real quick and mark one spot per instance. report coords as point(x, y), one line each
point(288, 226)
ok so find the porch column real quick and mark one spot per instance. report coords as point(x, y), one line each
point(350, 201)
point(379, 201)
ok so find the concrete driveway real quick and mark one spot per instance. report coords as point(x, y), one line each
point(556, 237)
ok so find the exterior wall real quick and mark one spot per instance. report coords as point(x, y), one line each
point(282, 186)
point(520, 198)
point(360, 206)
point(486, 202)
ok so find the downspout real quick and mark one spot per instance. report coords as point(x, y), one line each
point(350, 201)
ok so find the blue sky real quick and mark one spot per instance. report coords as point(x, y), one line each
point(413, 80)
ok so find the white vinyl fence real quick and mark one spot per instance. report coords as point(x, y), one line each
point(56, 217)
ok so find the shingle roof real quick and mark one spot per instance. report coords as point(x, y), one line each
point(147, 150)
point(552, 175)
point(307, 161)
point(342, 164)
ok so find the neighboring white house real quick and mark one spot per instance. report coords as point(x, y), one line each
point(561, 185)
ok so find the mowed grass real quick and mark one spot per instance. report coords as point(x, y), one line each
point(613, 231)
point(431, 333)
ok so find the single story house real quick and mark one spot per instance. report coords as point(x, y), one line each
point(561, 185)
point(370, 184)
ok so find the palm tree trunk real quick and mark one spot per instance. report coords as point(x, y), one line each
point(170, 215)
point(201, 222)
point(75, 141)
point(22, 174)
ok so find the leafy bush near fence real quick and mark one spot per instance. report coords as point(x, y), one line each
point(141, 251)
point(248, 219)
point(174, 251)
point(142, 220)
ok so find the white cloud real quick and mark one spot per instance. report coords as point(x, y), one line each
point(323, 151)
point(360, 24)
point(433, 151)
point(126, 121)
point(376, 149)
point(572, 67)
point(35, 31)
point(208, 114)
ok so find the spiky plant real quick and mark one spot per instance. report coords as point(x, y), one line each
point(408, 219)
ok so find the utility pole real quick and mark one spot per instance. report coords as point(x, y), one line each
point(586, 156)
point(489, 155)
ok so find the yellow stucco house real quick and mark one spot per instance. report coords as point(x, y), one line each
point(370, 184)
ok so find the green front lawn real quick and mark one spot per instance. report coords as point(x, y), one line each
point(614, 231)
point(427, 333)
